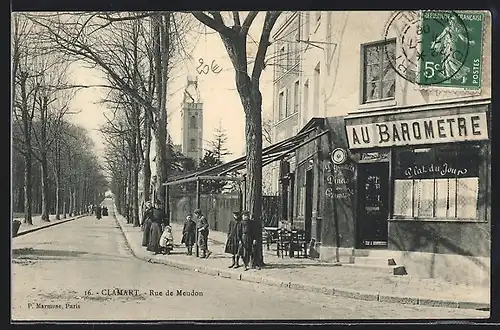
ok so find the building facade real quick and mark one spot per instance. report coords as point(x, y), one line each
point(192, 121)
point(405, 171)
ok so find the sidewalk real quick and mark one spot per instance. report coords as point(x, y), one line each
point(315, 276)
point(38, 224)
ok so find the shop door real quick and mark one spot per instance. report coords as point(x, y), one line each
point(373, 201)
point(308, 204)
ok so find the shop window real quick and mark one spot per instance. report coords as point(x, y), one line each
point(438, 183)
point(379, 76)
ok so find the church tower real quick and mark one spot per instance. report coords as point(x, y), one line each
point(192, 121)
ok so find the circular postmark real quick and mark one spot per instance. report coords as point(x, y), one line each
point(431, 46)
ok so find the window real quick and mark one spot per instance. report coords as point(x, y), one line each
point(289, 56)
point(192, 122)
point(296, 47)
point(306, 24)
point(316, 94)
point(192, 145)
point(306, 98)
point(379, 77)
point(296, 96)
point(281, 105)
point(442, 182)
point(283, 60)
point(287, 103)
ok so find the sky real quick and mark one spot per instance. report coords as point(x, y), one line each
point(218, 92)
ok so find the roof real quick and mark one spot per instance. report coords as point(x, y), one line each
point(270, 154)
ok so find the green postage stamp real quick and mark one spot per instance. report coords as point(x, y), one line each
point(451, 49)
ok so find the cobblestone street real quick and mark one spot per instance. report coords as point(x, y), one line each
point(57, 266)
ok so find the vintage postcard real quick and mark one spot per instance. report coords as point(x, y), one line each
point(262, 165)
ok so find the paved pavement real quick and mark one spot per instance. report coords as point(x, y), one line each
point(54, 269)
point(39, 224)
point(312, 275)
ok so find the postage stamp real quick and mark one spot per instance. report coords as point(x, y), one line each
point(437, 48)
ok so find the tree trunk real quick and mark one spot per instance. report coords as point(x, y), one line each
point(64, 206)
point(28, 197)
point(251, 99)
point(146, 167)
point(27, 189)
point(45, 188)
point(128, 202)
point(71, 202)
point(161, 55)
point(253, 134)
point(135, 196)
point(58, 195)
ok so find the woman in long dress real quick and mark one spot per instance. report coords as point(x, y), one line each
point(146, 224)
point(233, 239)
point(155, 231)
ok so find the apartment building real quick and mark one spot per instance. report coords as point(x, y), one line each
point(405, 173)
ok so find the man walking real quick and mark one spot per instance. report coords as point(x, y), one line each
point(203, 230)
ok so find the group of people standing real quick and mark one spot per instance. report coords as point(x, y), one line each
point(157, 234)
point(242, 241)
point(99, 211)
point(189, 233)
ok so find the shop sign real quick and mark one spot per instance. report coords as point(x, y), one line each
point(434, 170)
point(432, 130)
point(339, 180)
point(372, 157)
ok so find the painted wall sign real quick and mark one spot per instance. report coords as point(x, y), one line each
point(339, 180)
point(444, 129)
point(442, 170)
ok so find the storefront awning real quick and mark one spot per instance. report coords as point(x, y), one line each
point(270, 154)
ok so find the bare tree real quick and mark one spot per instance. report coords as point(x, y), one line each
point(98, 40)
point(52, 105)
point(234, 38)
point(267, 130)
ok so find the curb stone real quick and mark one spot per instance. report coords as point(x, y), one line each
point(49, 224)
point(356, 294)
point(342, 292)
point(397, 299)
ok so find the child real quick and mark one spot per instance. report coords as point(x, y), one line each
point(189, 234)
point(166, 240)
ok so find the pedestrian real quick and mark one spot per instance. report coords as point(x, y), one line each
point(166, 240)
point(98, 212)
point(245, 243)
point(157, 218)
point(233, 239)
point(189, 234)
point(146, 224)
point(255, 232)
point(203, 230)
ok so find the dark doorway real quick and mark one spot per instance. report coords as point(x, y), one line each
point(373, 201)
point(309, 204)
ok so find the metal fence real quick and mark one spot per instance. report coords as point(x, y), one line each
point(218, 209)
